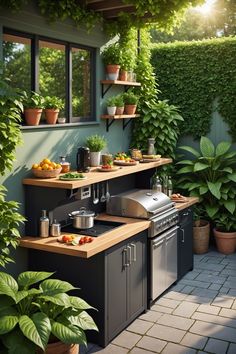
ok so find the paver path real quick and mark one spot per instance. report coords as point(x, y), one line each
point(198, 315)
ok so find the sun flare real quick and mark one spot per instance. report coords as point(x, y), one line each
point(206, 8)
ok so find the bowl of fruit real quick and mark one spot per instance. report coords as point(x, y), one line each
point(46, 169)
point(122, 159)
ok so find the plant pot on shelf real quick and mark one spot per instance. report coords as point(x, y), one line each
point(120, 110)
point(123, 75)
point(51, 115)
point(111, 110)
point(201, 236)
point(95, 158)
point(60, 348)
point(32, 115)
point(225, 241)
point(130, 109)
point(112, 71)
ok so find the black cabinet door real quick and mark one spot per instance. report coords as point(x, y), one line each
point(185, 242)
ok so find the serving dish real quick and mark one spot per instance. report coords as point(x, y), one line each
point(115, 168)
point(72, 176)
point(46, 173)
point(125, 163)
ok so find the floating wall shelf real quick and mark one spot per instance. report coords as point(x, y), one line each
point(107, 84)
point(111, 118)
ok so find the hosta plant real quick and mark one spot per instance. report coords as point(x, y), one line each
point(225, 222)
point(32, 316)
point(210, 176)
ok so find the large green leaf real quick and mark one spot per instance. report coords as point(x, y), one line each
point(30, 330)
point(227, 169)
point(8, 285)
point(43, 326)
point(7, 323)
point(80, 304)
point(21, 295)
point(58, 299)
point(68, 333)
point(203, 190)
point(212, 210)
point(214, 189)
point(55, 286)
point(26, 279)
point(222, 148)
point(84, 321)
point(191, 150)
point(185, 169)
point(185, 162)
point(232, 177)
point(230, 205)
point(193, 186)
point(199, 166)
point(206, 147)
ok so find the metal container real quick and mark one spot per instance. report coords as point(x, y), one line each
point(82, 219)
point(44, 225)
point(55, 229)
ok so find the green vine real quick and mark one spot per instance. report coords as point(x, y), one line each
point(193, 75)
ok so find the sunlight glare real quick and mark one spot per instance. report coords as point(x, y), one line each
point(206, 8)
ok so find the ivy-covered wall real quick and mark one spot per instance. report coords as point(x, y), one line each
point(199, 77)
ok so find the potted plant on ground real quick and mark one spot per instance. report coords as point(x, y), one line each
point(225, 232)
point(33, 107)
point(111, 58)
point(130, 100)
point(52, 107)
point(43, 318)
point(111, 105)
point(120, 106)
point(95, 143)
point(201, 230)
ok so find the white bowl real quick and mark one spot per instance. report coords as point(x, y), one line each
point(61, 120)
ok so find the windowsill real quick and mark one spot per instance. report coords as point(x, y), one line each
point(58, 126)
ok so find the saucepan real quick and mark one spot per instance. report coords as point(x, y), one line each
point(82, 219)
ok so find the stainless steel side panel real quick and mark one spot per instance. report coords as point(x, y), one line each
point(171, 259)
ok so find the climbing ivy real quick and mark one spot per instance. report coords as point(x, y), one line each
point(193, 75)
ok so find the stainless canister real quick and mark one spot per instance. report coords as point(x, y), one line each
point(44, 225)
point(55, 229)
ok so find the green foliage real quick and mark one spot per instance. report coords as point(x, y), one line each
point(111, 54)
point(225, 222)
point(53, 102)
point(210, 176)
point(31, 316)
point(111, 101)
point(194, 74)
point(33, 100)
point(130, 98)
point(119, 101)
point(96, 143)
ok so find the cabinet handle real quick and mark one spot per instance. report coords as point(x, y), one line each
point(134, 252)
point(183, 236)
point(186, 213)
point(124, 258)
point(129, 255)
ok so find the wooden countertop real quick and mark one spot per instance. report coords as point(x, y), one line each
point(130, 228)
point(94, 176)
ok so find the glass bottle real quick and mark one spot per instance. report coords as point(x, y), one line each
point(64, 164)
point(151, 146)
point(44, 225)
point(165, 185)
point(156, 184)
point(170, 187)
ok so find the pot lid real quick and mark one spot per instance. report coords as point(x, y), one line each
point(83, 212)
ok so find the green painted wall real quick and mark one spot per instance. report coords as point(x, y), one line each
point(52, 142)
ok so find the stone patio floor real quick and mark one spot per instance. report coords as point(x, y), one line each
point(198, 315)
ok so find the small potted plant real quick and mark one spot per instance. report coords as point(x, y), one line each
point(95, 143)
point(111, 59)
point(127, 64)
point(43, 318)
point(120, 106)
point(52, 107)
point(33, 107)
point(111, 105)
point(225, 232)
point(130, 100)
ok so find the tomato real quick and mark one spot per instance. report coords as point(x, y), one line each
point(90, 239)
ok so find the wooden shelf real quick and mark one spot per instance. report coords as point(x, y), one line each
point(118, 82)
point(94, 176)
point(121, 116)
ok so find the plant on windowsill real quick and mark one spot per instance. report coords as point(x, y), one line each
point(95, 143)
point(111, 105)
point(43, 318)
point(111, 58)
point(33, 107)
point(52, 107)
point(131, 101)
point(120, 105)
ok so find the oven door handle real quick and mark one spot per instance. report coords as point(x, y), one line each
point(124, 258)
point(159, 210)
point(167, 233)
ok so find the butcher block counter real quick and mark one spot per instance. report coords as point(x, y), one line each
point(130, 228)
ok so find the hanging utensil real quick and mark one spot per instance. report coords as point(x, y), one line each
point(103, 197)
point(95, 197)
point(107, 192)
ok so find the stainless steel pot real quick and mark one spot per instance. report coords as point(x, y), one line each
point(82, 219)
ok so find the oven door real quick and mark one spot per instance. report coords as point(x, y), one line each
point(163, 268)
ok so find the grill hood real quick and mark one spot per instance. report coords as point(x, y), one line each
point(143, 204)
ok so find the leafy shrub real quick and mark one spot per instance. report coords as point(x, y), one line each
point(96, 143)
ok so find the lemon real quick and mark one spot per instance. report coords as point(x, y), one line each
point(35, 165)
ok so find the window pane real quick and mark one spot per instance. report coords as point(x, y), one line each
point(52, 71)
point(81, 85)
point(17, 60)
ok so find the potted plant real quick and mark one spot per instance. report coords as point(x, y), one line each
point(33, 107)
point(42, 318)
point(120, 106)
point(130, 100)
point(111, 59)
point(111, 105)
point(127, 63)
point(95, 143)
point(52, 107)
point(201, 230)
point(225, 232)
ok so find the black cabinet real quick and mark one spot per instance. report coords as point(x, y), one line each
point(113, 281)
point(185, 242)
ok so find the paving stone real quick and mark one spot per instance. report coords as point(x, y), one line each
point(232, 348)
point(175, 321)
point(224, 321)
point(228, 313)
point(216, 331)
point(228, 272)
point(85, 349)
point(161, 309)
point(230, 282)
point(231, 265)
point(164, 333)
point(175, 295)
point(224, 290)
point(205, 292)
point(234, 305)
point(186, 309)
point(177, 287)
point(198, 299)
point(196, 283)
point(223, 301)
point(187, 289)
point(232, 292)
point(110, 349)
point(215, 287)
point(213, 310)
point(136, 350)
point(198, 257)
point(216, 346)
point(126, 339)
point(177, 349)
point(210, 278)
point(214, 260)
point(213, 267)
point(151, 316)
point(191, 275)
point(194, 341)
point(139, 326)
point(154, 344)
point(167, 302)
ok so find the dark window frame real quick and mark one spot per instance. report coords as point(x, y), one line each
point(68, 72)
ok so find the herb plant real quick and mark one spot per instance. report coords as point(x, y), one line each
point(96, 143)
point(119, 101)
point(130, 98)
point(53, 102)
point(33, 100)
point(111, 54)
point(111, 101)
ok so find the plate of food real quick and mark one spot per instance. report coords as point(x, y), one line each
point(72, 176)
point(150, 158)
point(178, 198)
point(107, 168)
point(127, 162)
point(75, 240)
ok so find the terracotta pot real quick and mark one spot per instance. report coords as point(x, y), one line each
point(32, 116)
point(225, 241)
point(60, 348)
point(51, 115)
point(130, 109)
point(112, 71)
point(120, 110)
point(123, 75)
point(201, 236)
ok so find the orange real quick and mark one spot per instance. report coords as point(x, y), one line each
point(45, 166)
point(58, 166)
point(50, 168)
point(53, 164)
point(35, 165)
point(39, 168)
point(46, 161)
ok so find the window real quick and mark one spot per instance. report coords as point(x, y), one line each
point(53, 68)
